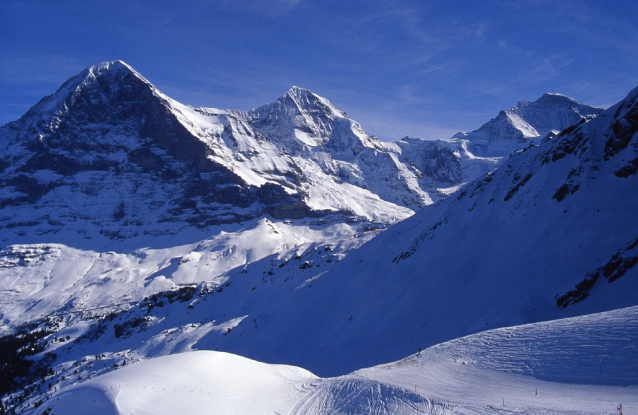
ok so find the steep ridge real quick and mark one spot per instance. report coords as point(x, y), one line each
point(301, 117)
point(108, 149)
point(309, 146)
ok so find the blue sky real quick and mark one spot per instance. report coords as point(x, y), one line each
point(419, 68)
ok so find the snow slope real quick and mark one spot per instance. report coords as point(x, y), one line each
point(189, 383)
point(38, 280)
point(582, 365)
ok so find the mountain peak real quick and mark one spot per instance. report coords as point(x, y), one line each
point(106, 77)
point(115, 69)
point(299, 101)
point(295, 90)
point(113, 65)
point(304, 99)
point(555, 98)
point(526, 121)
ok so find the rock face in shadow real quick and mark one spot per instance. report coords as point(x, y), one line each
point(111, 139)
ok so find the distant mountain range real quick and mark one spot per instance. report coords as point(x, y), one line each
point(135, 227)
point(109, 149)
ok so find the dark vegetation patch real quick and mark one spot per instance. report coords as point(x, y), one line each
point(564, 191)
point(129, 324)
point(627, 170)
point(616, 267)
point(623, 130)
point(97, 329)
point(120, 212)
point(181, 294)
point(480, 185)
point(415, 243)
point(306, 265)
point(127, 328)
point(17, 365)
point(516, 187)
point(566, 144)
point(570, 129)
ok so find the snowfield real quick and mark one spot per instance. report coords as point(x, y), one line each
point(581, 365)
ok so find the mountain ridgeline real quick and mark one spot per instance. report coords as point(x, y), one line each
point(109, 149)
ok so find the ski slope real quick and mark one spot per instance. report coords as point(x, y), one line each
point(580, 365)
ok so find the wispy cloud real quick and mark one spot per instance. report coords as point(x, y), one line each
point(272, 8)
point(402, 18)
point(524, 77)
point(40, 68)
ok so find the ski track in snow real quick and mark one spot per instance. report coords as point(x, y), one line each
point(353, 396)
point(584, 364)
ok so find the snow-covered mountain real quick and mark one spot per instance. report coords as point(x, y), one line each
point(110, 149)
point(534, 240)
point(468, 156)
point(136, 227)
point(548, 234)
point(527, 122)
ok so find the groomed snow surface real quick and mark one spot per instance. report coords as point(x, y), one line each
point(581, 365)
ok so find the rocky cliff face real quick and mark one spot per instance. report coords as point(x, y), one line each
point(107, 147)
